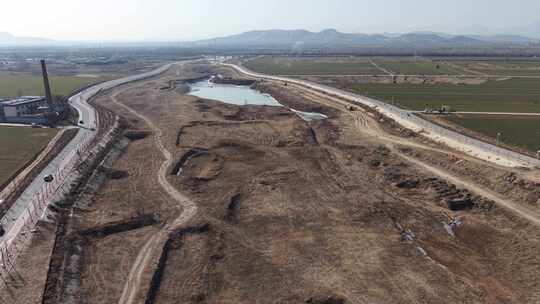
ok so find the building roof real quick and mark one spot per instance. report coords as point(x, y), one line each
point(21, 100)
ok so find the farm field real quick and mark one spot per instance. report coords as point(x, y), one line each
point(501, 67)
point(18, 145)
point(519, 131)
point(18, 84)
point(511, 95)
point(410, 66)
point(350, 66)
point(313, 66)
point(397, 66)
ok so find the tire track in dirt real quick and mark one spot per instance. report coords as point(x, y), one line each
point(368, 125)
point(145, 256)
point(514, 207)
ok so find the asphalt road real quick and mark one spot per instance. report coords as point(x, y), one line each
point(12, 221)
point(483, 113)
point(499, 113)
point(409, 75)
point(471, 146)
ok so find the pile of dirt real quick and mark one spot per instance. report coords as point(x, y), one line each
point(514, 184)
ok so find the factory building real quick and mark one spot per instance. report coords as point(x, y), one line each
point(25, 109)
point(32, 109)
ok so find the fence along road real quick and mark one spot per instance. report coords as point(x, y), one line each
point(455, 140)
point(21, 218)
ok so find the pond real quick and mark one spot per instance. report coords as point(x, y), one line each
point(242, 95)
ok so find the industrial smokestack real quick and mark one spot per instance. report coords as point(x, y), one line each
point(46, 84)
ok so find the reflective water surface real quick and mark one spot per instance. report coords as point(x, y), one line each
point(242, 95)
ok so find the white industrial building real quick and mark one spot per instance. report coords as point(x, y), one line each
point(23, 109)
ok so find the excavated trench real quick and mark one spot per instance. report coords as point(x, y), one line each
point(173, 243)
point(193, 153)
point(120, 226)
point(232, 208)
point(456, 199)
point(65, 266)
point(134, 135)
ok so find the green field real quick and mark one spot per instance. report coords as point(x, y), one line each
point(313, 66)
point(519, 131)
point(349, 66)
point(410, 66)
point(17, 84)
point(512, 95)
point(502, 67)
point(18, 146)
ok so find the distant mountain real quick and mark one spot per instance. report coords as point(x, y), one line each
point(331, 38)
point(292, 38)
point(418, 38)
point(504, 38)
point(6, 39)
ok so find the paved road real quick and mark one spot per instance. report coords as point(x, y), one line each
point(499, 113)
point(11, 221)
point(408, 75)
point(437, 133)
point(483, 113)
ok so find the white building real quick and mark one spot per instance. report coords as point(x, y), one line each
point(22, 108)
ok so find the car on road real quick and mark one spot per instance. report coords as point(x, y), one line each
point(81, 122)
point(49, 178)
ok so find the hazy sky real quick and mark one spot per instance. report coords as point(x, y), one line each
point(194, 19)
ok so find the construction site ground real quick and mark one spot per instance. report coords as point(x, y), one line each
point(351, 209)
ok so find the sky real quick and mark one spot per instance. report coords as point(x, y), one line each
point(177, 20)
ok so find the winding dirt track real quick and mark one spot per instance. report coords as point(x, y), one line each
point(367, 125)
point(189, 210)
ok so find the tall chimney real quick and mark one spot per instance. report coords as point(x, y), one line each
point(46, 84)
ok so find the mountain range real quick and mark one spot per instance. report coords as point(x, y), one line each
point(294, 39)
point(303, 39)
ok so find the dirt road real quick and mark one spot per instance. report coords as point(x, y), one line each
point(381, 68)
point(189, 210)
point(516, 208)
point(457, 141)
point(368, 126)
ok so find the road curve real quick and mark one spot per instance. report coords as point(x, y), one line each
point(455, 140)
point(15, 220)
